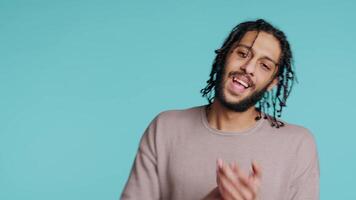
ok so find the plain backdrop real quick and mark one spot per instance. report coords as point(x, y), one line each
point(80, 81)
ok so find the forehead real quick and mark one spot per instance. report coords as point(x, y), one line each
point(262, 43)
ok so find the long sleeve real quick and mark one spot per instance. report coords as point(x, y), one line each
point(305, 185)
point(143, 180)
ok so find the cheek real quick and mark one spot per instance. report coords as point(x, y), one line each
point(233, 64)
point(262, 80)
point(264, 75)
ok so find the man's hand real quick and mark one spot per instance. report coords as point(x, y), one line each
point(233, 184)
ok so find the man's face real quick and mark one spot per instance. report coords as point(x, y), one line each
point(249, 71)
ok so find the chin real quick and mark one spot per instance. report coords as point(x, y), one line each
point(231, 99)
point(234, 98)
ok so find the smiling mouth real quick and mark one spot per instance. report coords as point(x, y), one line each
point(242, 81)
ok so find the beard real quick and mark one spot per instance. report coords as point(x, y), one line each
point(242, 105)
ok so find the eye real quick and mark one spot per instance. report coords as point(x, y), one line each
point(242, 54)
point(265, 66)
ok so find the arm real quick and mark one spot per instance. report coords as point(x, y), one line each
point(305, 184)
point(143, 180)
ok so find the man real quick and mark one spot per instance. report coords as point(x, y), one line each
point(257, 155)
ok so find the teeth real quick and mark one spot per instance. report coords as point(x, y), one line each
point(241, 82)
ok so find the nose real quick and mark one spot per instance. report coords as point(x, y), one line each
point(249, 67)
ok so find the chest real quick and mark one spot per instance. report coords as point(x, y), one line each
point(192, 166)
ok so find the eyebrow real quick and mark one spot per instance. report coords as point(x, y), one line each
point(265, 57)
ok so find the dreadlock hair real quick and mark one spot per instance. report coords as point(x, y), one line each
point(276, 98)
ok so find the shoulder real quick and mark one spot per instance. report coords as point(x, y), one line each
point(179, 116)
point(171, 122)
point(297, 131)
point(305, 152)
point(291, 135)
point(168, 125)
point(301, 136)
point(288, 130)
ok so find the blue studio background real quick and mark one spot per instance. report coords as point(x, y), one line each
point(81, 80)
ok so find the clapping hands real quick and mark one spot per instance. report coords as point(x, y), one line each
point(233, 184)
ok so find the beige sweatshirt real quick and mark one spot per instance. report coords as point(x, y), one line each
point(176, 159)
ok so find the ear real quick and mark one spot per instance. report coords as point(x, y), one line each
point(273, 84)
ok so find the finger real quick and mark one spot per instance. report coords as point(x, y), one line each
point(245, 190)
point(230, 185)
point(229, 173)
point(257, 169)
point(220, 188)
point(218, 181)
point(257, 173)
point(227, 189)
point(242, 177)
point(256, 176)
point(217, 170)
point(246, 187)
point(223, 193)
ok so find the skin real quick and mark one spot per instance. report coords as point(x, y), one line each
point(233, 184)
point(262, 45)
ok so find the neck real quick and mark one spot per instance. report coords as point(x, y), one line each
point(221, 118)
